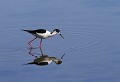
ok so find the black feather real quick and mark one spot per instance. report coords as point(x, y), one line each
point(40, 31)
point(34, 31)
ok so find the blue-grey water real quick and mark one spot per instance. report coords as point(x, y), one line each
point(91, 29)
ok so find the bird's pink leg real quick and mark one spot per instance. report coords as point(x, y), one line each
point(41, 44)
point(31, 41)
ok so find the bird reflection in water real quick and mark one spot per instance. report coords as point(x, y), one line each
point(44, 59)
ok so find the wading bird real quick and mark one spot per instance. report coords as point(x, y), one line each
point(42, 34)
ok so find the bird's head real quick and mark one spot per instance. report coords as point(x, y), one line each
point(57, 31)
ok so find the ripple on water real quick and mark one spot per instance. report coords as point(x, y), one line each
point(77, 40)
point(84, 40)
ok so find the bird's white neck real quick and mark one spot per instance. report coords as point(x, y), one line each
point(53, 33)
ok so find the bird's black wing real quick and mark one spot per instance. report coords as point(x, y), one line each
point(34, 31)
point(40, 31)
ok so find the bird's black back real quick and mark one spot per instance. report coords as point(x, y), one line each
point(40, 31)
point(34, 31)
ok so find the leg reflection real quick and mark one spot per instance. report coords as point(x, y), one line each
point(41, 51)
point(31, 53)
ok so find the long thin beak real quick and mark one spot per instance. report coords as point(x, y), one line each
point(61, 36)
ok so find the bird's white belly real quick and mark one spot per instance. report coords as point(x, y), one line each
point(43, 35)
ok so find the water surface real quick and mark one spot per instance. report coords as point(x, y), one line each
point(91, 29)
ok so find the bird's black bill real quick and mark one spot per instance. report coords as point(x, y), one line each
point(61, 36)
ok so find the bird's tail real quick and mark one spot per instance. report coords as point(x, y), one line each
point(29, 31)
point(24, 30)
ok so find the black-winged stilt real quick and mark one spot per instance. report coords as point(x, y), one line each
point(42, 34)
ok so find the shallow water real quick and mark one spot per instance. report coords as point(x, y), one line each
point(91, 30)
